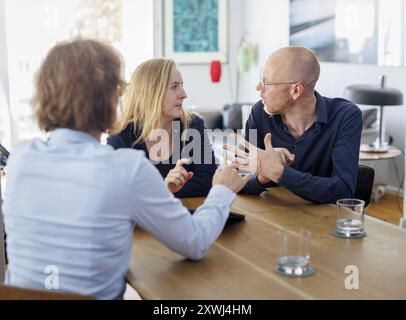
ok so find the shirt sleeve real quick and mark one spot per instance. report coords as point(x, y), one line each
point(203, 166)
point(253, 187)
point(345, 158)
point(158, 212)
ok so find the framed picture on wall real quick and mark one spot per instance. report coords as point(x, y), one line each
point(196, 30)
point(350, 31)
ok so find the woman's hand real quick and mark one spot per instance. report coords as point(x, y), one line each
point(230, 178)
point(178, 176)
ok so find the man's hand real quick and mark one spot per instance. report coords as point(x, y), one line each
point(178, 176)
point(268, 164)
point(287, 159)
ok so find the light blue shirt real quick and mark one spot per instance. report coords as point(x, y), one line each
point(71, 205)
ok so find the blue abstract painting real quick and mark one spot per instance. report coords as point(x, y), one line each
point(196, 25)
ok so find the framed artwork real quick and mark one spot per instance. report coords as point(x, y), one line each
point(350, 31)
point(196, 30)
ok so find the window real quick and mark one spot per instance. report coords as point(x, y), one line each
point(33, 27)
point(353, 31)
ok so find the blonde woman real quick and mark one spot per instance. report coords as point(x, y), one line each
point(155, 121)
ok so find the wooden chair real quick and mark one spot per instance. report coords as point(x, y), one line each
point(13, 293)
point(2, 245)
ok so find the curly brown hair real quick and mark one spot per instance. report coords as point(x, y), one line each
point(77, 87)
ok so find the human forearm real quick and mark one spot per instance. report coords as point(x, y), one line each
point(159, 213)
point(313, 188)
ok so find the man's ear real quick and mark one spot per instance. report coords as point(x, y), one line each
point(297, 90)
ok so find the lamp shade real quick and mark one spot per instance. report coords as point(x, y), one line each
point(215, 71)
point(245, 56)
point(373, 95)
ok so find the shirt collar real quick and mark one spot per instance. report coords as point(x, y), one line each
point(321, 108)
point(70, 135)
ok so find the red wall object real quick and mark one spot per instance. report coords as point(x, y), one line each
point(215, 71)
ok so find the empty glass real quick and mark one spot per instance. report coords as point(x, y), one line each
point(293, 253)
point(241, 172)
point(350, 219)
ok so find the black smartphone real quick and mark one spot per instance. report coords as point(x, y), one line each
point(4, 151)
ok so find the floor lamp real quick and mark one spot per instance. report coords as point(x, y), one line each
point(380, 96)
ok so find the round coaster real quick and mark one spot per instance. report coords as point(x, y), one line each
point(358, 235)
point(307, 272)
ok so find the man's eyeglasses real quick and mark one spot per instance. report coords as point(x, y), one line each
point(267, 83)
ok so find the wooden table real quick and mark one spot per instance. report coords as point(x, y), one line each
point(240, 264)
point(391, 153)
point(14, 293)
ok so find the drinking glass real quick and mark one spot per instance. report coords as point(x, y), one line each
point(294, 253)
point(350, 219)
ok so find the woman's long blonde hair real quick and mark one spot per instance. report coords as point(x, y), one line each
point(145, 98)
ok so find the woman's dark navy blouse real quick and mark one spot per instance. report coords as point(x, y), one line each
point(203, 170)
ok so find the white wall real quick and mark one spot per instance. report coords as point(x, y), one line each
point(137, 44)
point(267, 26)
point(267, 22)
point(202, 93)
point(3, 48)
point(5, 118)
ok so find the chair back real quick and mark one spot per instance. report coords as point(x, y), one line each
point(14, 293)
point(2, 245)
point(365, 183)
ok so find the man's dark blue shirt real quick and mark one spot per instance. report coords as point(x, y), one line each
point(326, 155)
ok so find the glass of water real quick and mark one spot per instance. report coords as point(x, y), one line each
point(293, 253)
point(225, 161)
point(244, 173)
point(350, 218)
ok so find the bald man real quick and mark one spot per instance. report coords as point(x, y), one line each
point(305, 142)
